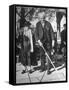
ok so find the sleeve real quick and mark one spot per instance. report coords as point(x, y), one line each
point(52, 35)
point(31, 41)
point(37, 33)
point(51, 32)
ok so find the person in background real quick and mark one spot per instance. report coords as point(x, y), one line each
point(18, 18)
point(18, 10)
point(63, 39)
point(44, 36)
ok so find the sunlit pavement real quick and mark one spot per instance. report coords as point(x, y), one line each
point(36, 76)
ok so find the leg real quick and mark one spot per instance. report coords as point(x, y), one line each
point(24, 62)
point(42, 55)
point(28, 59)
point(29, 63)
point(48, 63)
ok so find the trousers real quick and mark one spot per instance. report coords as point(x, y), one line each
point(44, 58)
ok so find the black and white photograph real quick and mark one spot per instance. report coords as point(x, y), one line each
point(41, 44)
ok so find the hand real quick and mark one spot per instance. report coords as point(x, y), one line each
point(52, 51)
point(19, 46)
point(64, 43)
point(39, 42)
point(53, 43)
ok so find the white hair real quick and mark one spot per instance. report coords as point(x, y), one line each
point(41, 15)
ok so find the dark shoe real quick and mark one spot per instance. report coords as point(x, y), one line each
point(42, 70)
point(31, 71)
point(23, 72)
point(48, 72)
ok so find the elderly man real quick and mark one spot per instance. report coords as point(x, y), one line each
point(44, 36)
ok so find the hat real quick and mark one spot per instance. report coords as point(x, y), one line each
point(26, 24)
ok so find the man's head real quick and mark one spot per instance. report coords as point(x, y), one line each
point(41, 16)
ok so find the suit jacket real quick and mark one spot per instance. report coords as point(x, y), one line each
point(63, 36)
point(44, 34)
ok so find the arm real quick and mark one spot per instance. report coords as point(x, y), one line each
point(37, 36)
point(36, 33)
point(52, 35)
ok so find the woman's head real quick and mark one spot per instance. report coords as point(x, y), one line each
point(26, 28)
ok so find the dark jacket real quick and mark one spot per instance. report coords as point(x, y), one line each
point(63, 38)
point(44, 34)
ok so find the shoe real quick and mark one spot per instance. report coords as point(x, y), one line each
point(48, 72)
point(23, 72)
point(31, 71)
point(42, 70)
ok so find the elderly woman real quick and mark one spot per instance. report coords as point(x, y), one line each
point(27, 47)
